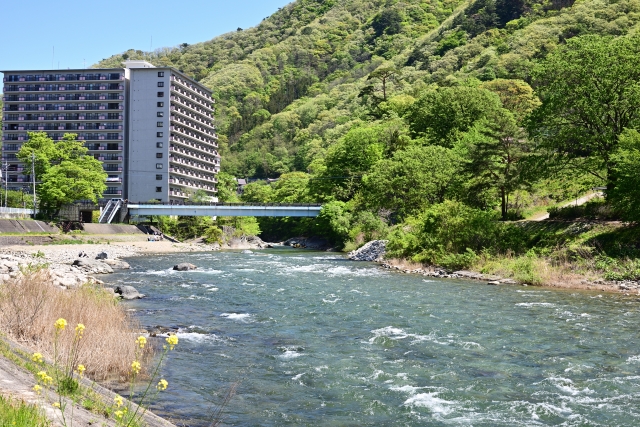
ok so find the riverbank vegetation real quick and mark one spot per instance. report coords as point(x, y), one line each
point(29, 306)
point(17, 413)
point(436, 125)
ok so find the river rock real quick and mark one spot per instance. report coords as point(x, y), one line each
point(128, 292)
point(185, 266)
point(91, 266)
point(102, 255)
point(117, 264)
point(247, 251)
point(372, 251)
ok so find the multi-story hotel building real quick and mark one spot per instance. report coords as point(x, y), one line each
point(152, 128)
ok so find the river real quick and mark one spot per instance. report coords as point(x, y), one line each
point(315, 339)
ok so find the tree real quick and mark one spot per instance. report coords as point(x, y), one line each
point(79, 179)
point(227, 188)
point(496, 147)
point(625, 196)
point(350, 158)
point(412, 179)
point(65, 169)
point(590, 92)
point(516, 96)
point(442, 115)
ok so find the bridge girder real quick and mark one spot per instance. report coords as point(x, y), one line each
point(222, 210)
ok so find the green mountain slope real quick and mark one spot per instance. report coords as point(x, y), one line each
point(292, 86)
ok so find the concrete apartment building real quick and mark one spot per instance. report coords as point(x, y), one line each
point(152, 128)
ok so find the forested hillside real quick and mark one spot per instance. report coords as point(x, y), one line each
point(407, 112)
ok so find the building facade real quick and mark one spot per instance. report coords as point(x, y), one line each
point(152, 128)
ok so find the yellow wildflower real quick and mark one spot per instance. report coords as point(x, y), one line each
point(118, 414)
point(135, 367)
point(60, 324)
point(56, 404)
point(37, 388)
point(141, 341)
point(172, 340)
point(118, 400)
point(162, 385)
point(37, 357)
point(81, 369)
point(79, 329)
point(44, 378)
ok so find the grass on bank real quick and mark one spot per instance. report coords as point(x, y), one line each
point(29, 306)
point(17, 413)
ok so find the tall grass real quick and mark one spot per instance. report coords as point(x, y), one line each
point(17, 413)
point(30, 305)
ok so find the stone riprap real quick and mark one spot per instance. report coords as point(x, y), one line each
point(371, 251)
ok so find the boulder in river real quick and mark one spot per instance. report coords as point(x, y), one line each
point(102, 255)
point(184, 266)
point(92, 266)
point(128, 292)
point(372, 251)
point(247, 251)
point(117, 264)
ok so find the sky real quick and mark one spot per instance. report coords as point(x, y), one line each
point(62, 34)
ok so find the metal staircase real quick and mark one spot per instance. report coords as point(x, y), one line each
point(109, 211)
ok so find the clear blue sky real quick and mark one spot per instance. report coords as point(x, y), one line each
point(86, 31)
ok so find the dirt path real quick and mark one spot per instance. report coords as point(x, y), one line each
point(580, 201)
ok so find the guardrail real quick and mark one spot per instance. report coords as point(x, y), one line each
point(16, 211)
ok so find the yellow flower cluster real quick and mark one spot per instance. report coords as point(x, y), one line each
point(141, 341)
point(136, 367)
point(60, 324)
point(37, 388)
point(81, 370)
point(172, 340)
point(162, 385)
point(118, 400)
point(37, 357)
point(56, 405)
point(44, 378)
point(119, 414)
point(79, 330)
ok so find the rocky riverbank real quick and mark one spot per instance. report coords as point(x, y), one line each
point(375, 250)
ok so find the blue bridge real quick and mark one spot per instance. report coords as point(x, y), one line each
point(225, 209)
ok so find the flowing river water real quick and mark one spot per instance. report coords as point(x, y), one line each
point(315, 339)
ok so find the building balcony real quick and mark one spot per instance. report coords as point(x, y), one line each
point(111, 191)
point(209, 158)
point(178, 193)
point(193, 145)
point(201, 103)
point(189, 184)
point(200, 119)
point(108, 157)
point(192, 174)
point(196, 137)
point(59, 77)
point(190, 124)
point(197, 91)
point(110, 168)
point(192, 165)
point(64, 117)
point(112, 180)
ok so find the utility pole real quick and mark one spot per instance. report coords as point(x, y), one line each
point(33, 178)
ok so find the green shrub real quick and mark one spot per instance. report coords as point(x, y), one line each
point(20, 414)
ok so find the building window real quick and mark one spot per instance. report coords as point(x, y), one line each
point(160, 113)
point(160, 104)
point(158, 177)
point(160, 124)
point(159, 134)
point(160, 84)
point(160, 73)
point(160, 94)
point(158, 144)
point(159, 166)
point(158, 189)
point(158, 155)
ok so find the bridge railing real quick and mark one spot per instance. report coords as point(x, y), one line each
point(188, 203)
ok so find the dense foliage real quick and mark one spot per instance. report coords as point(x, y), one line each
point(65, 170)
point(400, 114)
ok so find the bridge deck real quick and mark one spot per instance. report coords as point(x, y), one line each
point(225, 210)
